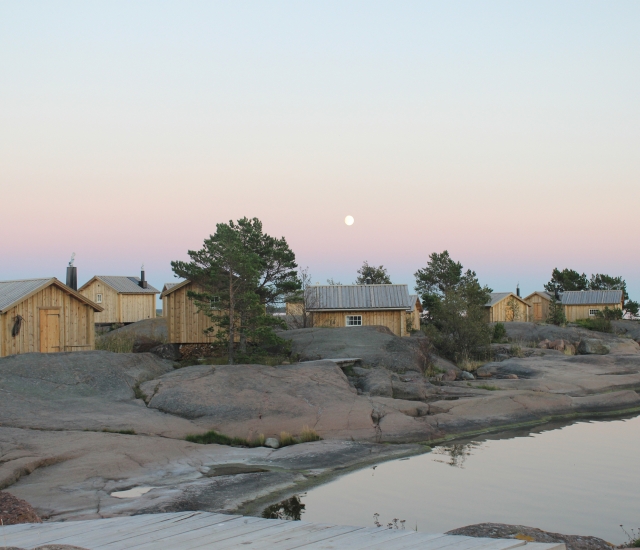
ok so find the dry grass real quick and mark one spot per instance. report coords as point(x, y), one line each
point(116, 343)
point(287, 439)
point(307, 434)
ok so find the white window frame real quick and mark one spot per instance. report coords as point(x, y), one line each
point(352, 321)
point(593, 312)
point(99, 298)
point(213, 303)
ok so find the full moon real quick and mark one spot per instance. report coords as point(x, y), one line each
point(349, 220)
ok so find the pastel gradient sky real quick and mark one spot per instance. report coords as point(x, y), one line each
point(505, 132)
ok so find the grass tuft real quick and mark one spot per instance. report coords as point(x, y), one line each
point(487, 387)
point(307, 434)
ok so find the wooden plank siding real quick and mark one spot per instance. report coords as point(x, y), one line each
point(575, 312)
point(118, 307)
point(413, 320)
point(539, 311)
point(499, 313)
point(394, 320)
point(186, 325)
point(75, 323)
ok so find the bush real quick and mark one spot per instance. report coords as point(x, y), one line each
point(599, 324)
point(212, 437)
point(556, 313)
point(499, 333)
point(116, 343)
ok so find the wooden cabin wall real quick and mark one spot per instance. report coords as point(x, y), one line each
point(110, 303)
point(413, 319)
point(500, 314)
point(76, 323)
point(396, 321)
point(573, 313)
point(136, 307)
point(186, 325)
point(294, 308)
point(539, 308)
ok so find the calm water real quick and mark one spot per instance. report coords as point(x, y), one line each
point(578, 479)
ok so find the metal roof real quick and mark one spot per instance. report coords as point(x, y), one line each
point(414, 301)
point(125, 285)
point(499, 296)
point(350, 297)
point(169, 286)
point(12, 291)
point(591, 297)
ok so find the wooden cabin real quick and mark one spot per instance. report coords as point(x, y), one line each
point(584, 304)
point(505, 307)
point(185, 323)
point(360, 305)
point(167, 286)
point(539, 302)
point(413, 314)
point(46, 316)
point(124, 300)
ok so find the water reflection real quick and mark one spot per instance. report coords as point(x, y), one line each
point(457, 453)
point(290, 508)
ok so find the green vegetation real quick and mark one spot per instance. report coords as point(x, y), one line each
point(116, 343)
point(307, 435)
point(556, 313)
point(239, 272)
point(454, 302)
point(124, 432)
point(601, 322)
point(372, 275)
point(499, 333)
point(487, 387)
point(138, 393)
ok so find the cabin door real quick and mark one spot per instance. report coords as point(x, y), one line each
point(537, 312)
point(49, 330)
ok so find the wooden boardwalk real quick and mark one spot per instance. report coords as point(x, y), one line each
point(204, 530)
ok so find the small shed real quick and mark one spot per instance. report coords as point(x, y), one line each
point(505, 307)
point(583, 304)
point(539, 302)
point(44, 315)
point(413, 313)
point(185, 323)
point(361, 305)
point(124, 299)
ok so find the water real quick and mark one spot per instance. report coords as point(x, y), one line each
point(579, 479)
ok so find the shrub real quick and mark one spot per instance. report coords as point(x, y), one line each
point(307, 435)
point(556, 313)
point(286, 439)
point(212, 437)
point(116, 343)
point(499, 333)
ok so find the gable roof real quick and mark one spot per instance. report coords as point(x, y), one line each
point(14, 292)
point(542, 293)
point(168, 286)
point(352, 297)
point(415, 301)
point(172, 287)
point(499, 296)
point(122, 285)
point(591, 297)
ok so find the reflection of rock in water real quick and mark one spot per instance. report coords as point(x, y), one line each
point(290, 508)
point(457, 453)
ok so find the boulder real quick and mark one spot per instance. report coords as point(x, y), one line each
point(374, 382)
point(592, 346)
point(557, 345)
point(467, 375)
point(544, 344)
point(167, 351)
point(143, 344)
point(272, 442)
point(569, 349)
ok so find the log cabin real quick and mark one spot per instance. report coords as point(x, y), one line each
point(505, 307)
point(362, 305)
point(584, 304)
point(46, 316)
point(124, 300)
point(539, 303)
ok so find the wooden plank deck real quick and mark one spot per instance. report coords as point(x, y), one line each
point(204, 531)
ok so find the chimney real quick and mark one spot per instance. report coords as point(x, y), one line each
point(72, 274)
point(143, 281)
point(518, 290)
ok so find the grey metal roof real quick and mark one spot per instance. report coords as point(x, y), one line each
point(499, 296)
point(414, 300)
point(542, 293)
point(12, 291)
point(350, 297)
point(169, 286)
point(591, 297)
point(126, 285)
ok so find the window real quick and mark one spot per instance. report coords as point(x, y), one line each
point(214, 302)
point(354, 320)
point(593, 312)
point(98, 298)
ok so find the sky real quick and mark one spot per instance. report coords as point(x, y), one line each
point(507, 133)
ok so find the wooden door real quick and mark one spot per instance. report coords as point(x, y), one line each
point(537, 312)
point(49, 330)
